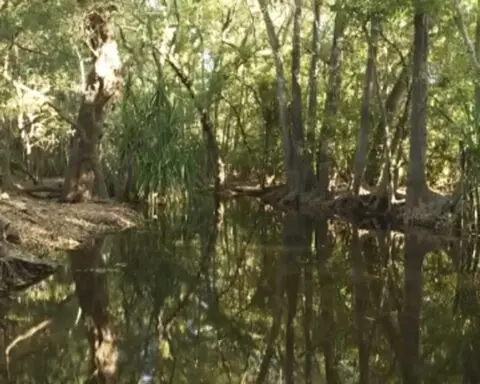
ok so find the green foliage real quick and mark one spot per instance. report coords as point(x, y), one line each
point(153, 139)
point(223, 50)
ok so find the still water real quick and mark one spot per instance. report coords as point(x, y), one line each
point(239, 293)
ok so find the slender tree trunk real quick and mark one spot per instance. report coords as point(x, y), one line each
point(313, 76)
point(6, 181)
point(365, 115)
point(281, 95)
point(477, 85)
point(392, 104)
point(331, 106)
point(416, 177)
point(303, 170)
point(102, 87)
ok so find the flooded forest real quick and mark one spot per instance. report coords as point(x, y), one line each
point(243, 191)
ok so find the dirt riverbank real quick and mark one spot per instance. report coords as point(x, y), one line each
point(45, 226)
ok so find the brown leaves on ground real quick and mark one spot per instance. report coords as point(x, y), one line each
point(47, 225)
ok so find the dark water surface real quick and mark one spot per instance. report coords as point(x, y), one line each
point(243, 294)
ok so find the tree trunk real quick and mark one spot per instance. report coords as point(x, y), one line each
point(312, 77)
point(477, 85)
point(304, 179)
point(365, 115)
point(392, 103)
point(281, 95)
point(416, 177)
point(331, 106)
point(6, 181)
point(102, 86)
point(297, 121)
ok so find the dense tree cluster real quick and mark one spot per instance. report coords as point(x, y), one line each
point(167, 96)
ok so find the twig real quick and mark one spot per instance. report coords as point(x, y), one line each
point(31, 332)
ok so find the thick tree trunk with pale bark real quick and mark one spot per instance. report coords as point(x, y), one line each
point(102, 87)
point(416, 178)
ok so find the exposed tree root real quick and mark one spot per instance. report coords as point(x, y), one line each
point(370, 210)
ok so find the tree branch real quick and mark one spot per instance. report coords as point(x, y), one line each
point(41, 96)
point(459, 20)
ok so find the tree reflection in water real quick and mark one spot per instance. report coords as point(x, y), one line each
point(239, 293)
point(90, 276)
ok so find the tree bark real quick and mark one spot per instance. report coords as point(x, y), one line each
point(304, 176)
point(6, 181)
point(392, 103)
point(102, 87)
point(365, 115)
point(281, 94)
point(331, 106)
point(477, 85)
point(416, 177)
point(313, 75)
point(297, 121)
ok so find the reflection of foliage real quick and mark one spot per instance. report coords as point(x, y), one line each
point(217, 309)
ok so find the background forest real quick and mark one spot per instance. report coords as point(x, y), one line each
point(260, 91)
point(339, 101)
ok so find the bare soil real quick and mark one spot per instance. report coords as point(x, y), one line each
point(47, 225)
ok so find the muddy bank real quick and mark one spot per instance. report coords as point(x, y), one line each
point(45, 226)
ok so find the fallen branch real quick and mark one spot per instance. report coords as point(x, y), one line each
point(24, 336)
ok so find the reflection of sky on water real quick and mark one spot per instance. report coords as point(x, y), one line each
point(145, 379)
